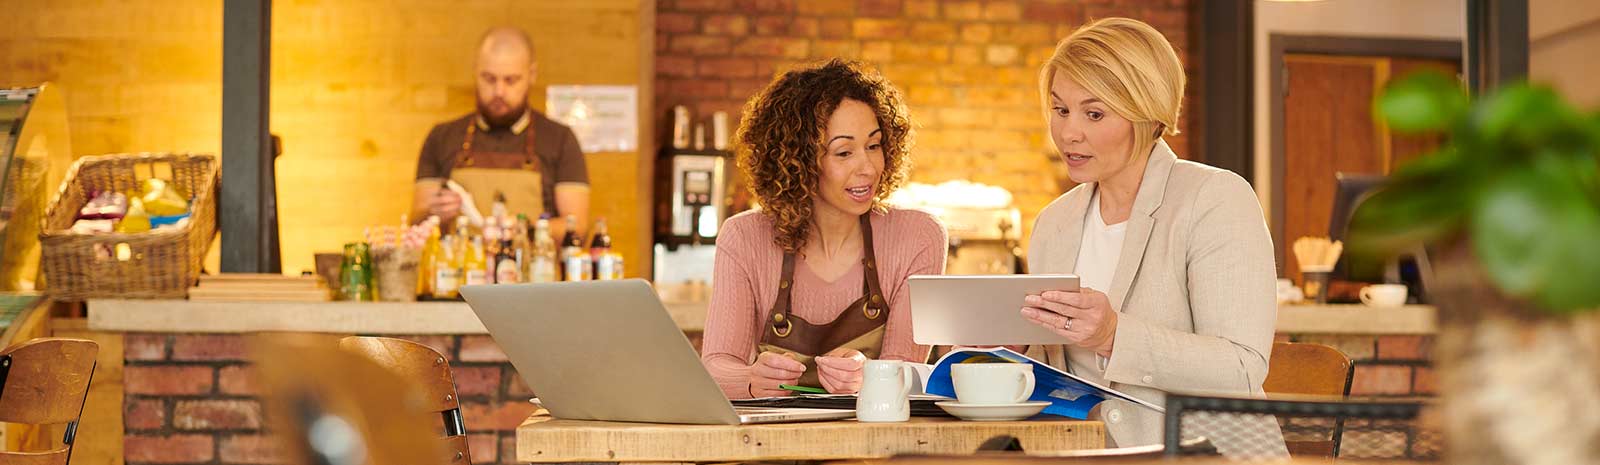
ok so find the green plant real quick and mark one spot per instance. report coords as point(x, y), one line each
point(1518, 177)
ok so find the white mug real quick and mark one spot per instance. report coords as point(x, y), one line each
point(992, 383)
point(885, 392)
point(1384, 295)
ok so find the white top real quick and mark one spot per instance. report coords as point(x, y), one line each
point(1099, 253)
point(1101, 249)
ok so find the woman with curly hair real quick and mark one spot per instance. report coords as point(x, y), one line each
point(812, 284)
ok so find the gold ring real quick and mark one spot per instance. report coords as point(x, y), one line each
point(787, 327)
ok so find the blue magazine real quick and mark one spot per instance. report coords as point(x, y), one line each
point(1069, 395)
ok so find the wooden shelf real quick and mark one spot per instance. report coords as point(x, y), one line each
point(182, 316)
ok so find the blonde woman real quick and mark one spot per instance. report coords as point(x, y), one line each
point(1174, 257)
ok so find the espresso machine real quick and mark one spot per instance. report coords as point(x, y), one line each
point(691, 202)
point(983, 241)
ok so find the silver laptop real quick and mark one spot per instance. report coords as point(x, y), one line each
point(608, 350)
point(980, 309)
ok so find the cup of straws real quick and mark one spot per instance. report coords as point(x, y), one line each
point(1317, 256)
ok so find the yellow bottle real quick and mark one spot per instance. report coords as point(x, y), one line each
point(446, 270)
point(430, 252)
point(474, 266)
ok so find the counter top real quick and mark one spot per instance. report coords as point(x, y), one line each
point(181, 316)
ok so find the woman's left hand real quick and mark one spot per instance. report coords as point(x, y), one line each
point(840, 370)
point(1084, 317)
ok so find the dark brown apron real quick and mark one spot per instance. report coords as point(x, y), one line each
point(515, 175)
point(860, 327)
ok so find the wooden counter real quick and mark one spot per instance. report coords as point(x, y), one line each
point(178, 316)
point(181, 316)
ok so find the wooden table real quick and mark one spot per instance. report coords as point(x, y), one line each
point(544, 439)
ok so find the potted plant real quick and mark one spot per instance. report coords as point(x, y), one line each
point(1509, 208)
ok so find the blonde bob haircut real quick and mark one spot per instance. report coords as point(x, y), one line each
point(1128, 65)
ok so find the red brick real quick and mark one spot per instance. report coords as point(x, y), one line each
point(836, 48)
point(517, 389)
point(878, 52)
point(701, 45)
point(805, 27)
point(963, 9)
point(484, 447)
point(1002, 55)
point(911, 52)
point(501, 416)
point(767, 6)
point(481, 349)
point(1002, 10)
point(145, 347)
point(926, 9)
point(977, 33)
point(476, 380)
point(239, 380)
point(966, 55)
point(251, 449)
point(194, 347)
point(1403, 348)
point(1425, 382)
point(680, 88)
point(727, 67)
point(1381, 380)
point(179, 448)
point(743, 89)
point(216, 415)
point(144, 414)
point(879, 28)
point(1022, 34)
point(879, 8)
point(933, 32)
point(835, 28)
point(827, 7)
point(772, 47)
point(772, 25)
point(1053, 12)
point(676, 22)
point(703, 5)
point(726, 25)
point(167, 379)
point(674, 66)
point(508, 449)
point(1096, 12)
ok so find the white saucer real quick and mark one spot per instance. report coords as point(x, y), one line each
point(993, 412)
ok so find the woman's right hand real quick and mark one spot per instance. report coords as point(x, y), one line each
point(772, 369)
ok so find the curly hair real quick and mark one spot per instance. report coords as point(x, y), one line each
point(780, 140)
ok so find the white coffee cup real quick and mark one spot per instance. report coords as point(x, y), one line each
point(992, 383)
point(885, 392)
point(1384, 295)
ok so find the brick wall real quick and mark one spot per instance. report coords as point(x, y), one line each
point(191, 399)
point(969, 69)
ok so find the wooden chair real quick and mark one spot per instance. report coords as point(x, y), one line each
point(44, 382)
point(429, 370)
point(1311, 370)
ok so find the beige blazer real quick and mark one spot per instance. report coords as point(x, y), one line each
point(1195, 288)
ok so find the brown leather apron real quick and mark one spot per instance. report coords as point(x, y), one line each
point(860, 327)
point(515, 175)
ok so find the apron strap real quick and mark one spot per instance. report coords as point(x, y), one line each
point(780, 311)
point(870, 285)
point(530, 160)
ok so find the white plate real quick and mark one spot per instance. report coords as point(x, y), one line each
point(993, 412)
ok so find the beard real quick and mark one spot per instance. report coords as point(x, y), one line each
point(504, 120)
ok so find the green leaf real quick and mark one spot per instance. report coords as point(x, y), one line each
point(1425, 101)
point(1535, 230)
point(1530, 117)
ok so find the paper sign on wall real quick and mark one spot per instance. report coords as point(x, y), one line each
point(605, 118)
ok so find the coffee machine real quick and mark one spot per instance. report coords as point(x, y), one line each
point(691, 202)
point(984, 229)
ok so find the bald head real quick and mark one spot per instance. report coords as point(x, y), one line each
point(505, 70)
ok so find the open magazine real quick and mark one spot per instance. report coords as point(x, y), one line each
point(1068, 394)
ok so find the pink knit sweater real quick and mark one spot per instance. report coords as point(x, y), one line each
point(745, 287)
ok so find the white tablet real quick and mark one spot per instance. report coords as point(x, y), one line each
point(980, 309)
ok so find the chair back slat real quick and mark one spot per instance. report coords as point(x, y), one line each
point(1308, 369)
point(413, 361)
point(46, 380)
point(430, 371)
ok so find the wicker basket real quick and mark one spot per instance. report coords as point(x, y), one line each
point(158, 264)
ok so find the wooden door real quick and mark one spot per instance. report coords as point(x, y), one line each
point(1329, 128)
